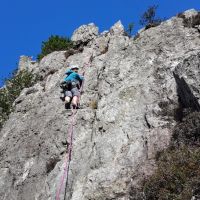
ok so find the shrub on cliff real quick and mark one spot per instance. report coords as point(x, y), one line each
point(130, 29)
point(178, 173)
point(177, 176)
point(14, 85)
point(148, 19)
point(55, 43)
point(188, 131)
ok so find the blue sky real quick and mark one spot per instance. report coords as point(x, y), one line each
point(26, 23)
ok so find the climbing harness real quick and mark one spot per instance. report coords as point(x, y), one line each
point(69, 148)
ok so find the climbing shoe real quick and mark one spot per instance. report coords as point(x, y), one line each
point(62, 98)
point(67, 106)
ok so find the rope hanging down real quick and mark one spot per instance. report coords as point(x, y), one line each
point(69, 149)
point(67, 159)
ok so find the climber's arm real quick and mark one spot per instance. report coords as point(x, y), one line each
point(68, 72)
point(81, 78)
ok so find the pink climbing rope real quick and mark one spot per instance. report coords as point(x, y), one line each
point(69, 149)
point(68, 158)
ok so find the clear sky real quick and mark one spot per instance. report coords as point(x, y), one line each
point(24, 24)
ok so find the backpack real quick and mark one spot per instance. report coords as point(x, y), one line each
point(66, 85)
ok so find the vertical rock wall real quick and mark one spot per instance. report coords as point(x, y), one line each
point(131, 83)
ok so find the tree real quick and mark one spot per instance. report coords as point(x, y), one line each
point(55, 43)
point(130, 28)
point(12, 89)
point(148, 18)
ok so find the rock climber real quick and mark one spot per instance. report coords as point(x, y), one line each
point(71, 86)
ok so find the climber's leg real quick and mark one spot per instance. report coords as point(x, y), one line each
point(67, 99)
point(75, 101)
point(68, 96)
point(76, 95)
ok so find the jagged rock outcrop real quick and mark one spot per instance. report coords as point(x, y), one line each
point(133, 85)
point(85, 33)
point(117, 29)
point(190, 13)
point(26, 63)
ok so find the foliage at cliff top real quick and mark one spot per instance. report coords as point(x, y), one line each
point(148, 19)
point(54, 43)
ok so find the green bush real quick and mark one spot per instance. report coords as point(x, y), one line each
point(55, 43)
point(130, 29)
point(13, 87)
point(178, 173)
point(177, 176)
point(148, 19)
point(188, 131)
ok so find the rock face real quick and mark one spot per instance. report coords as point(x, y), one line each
point(117, 29)
point(134, 83)
point(26, 63)
point(85, 33)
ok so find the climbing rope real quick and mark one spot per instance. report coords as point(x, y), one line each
point(69, 149)
point(68, 158)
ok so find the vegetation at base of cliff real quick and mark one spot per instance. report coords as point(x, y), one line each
point(177, 176)
point(148, 19)
point(178, 173)
point(55, 43)
point(14, 85)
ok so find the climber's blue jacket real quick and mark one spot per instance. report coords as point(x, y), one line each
point(73, 76)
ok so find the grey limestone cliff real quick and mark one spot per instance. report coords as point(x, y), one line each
point(136, 87)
